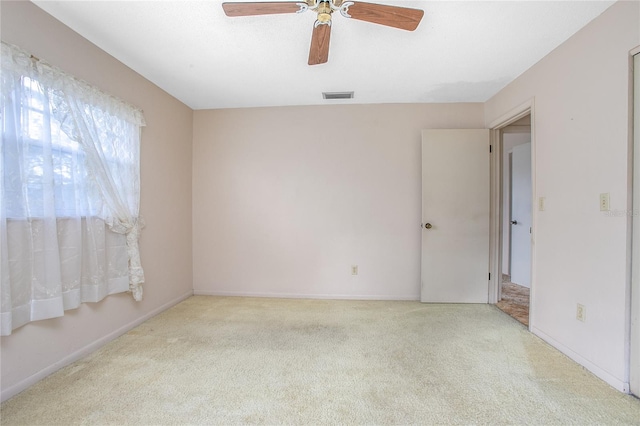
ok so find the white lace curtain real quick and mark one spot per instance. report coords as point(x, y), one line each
point(69, 192)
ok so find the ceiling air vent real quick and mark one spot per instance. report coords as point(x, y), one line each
point(337, 95)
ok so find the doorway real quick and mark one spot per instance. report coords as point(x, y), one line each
point(516, 220)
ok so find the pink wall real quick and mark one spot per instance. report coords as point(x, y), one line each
point(581, 144)
point(40, 347)
point(286, 200)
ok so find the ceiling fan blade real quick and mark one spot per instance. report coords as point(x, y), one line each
point(319, 52)
point(391, 16)
point(260, 8)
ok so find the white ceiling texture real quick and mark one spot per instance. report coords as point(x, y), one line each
point(462, 51)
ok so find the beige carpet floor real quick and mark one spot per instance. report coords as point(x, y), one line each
point(217, 360)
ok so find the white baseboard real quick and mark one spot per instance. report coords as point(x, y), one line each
point(305, 295)
point(91, 347)
point(597, 371)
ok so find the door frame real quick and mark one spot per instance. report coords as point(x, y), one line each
point(496, 213)
point(633, 243)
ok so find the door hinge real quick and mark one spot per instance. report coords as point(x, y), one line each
point(489, 276)
point(490, 148)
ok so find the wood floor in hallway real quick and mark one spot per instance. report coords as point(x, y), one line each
point(515, 300)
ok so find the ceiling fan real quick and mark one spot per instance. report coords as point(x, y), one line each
point(392, 16)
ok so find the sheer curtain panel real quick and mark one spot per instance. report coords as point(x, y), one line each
point(69, 192)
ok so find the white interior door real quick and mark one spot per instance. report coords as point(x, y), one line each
point(511, 136)
point(521, 215)
point(455, 205)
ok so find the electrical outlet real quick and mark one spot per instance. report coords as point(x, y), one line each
point(581, 313)
point(604, 202)
point(354, 269)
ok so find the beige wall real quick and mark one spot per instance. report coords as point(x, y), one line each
point(286, 200)
point(581, 142)
point(40, 347)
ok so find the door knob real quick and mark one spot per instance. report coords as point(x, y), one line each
point(428, 226)
point(514, 222)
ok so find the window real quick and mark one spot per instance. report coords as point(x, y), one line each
point(69, 174)
point(73, 192)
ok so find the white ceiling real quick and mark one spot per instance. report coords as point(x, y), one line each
point(461, 52)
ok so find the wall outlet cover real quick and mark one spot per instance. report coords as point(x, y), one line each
point(604, 202)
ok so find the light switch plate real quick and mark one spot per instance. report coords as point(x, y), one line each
point(541, 204)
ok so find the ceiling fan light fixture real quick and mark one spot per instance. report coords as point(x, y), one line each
point(324, 14)
point(391, 16)
point(337, 95)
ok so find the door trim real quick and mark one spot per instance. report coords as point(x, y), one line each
point(495, 213)
point(632, 360)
